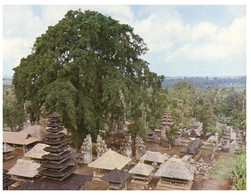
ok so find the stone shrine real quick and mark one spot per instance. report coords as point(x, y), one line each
point(140, 147)
point(86, 149)
point(101, 146)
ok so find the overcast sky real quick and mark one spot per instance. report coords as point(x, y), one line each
point(182, 40)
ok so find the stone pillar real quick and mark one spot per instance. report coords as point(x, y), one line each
point(140, 147)
point(101, 146)
point(86, 149)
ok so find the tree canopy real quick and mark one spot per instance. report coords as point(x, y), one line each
point(87, 68)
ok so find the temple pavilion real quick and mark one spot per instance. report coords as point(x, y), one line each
point(141, 173)
point(175, 176)
point(117, 179)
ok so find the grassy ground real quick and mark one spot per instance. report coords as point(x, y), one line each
point(223, 166)
point(205, 155)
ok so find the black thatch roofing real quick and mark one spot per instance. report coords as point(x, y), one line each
point(55, 130)
point(54, 115)
point(51, 120)
point(150, 132)
point(62, 165)
point(73, 182)
point(116, 176)
point(53, 174)
point(6, 180)
point(193, 133)
point(75, 155)
point(54, 124)
point(65, 155)
point(55, 142)
point(59, 148)
point(5, 171)
point(8, 183)
point(55, 135)
point(6, 176)
point(192, 147)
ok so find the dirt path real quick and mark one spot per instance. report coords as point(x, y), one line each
point(163, 149)
point(211, 184)
point(7, 164)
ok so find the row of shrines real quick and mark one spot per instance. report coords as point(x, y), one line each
point(56, 165)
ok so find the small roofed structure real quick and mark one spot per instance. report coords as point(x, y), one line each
point(151, 157)
point(7, 151)
point(37, 151)
point(175, 158)
point(142, 173)
point(117, 179)
point(150, 135)
point(110, 160)
point(18, 138)
point(192, 147)
point(36, 131)
point(7, 148)
point(175, 176)
point(7, 181)
point(25, 168)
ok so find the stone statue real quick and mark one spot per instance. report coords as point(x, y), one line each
point(140, 147)
point(86, 149)
point(101, 146)
point(127, 146)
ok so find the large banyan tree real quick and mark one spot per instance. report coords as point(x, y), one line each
point(87, 68)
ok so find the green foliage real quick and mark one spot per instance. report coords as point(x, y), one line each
point(209, 106)
point(239, 171)
point(223, 166)
point(138, 128)
point(88, 69)
point(13, 112)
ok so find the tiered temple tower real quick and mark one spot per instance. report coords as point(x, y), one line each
point(166, 122)
point(58, 164)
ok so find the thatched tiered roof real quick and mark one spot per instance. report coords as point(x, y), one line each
point(110, 160)
point(25, 168)
point(59, 162)
point(141, 169)
point(181, 170)
point(192, 147)
point(116, 176)
point(154, 157)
